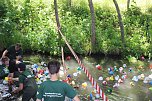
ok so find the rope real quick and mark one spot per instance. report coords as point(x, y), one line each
point(94, 83)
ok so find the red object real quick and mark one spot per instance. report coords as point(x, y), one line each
point(65, 81)
point(41, 71)
point(99, 67)
point(94, 83)
point(68, 58)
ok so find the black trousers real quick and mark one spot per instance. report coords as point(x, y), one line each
point(29, 93)
point(12, 66)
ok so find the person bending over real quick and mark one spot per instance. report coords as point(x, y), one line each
point(27, 83)
point(53, 89)
point(14, 53)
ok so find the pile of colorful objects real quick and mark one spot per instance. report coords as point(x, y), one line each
point(85, 91)
point(117, 75)
point(5, 91)
point(84, 87)
point(41, 73)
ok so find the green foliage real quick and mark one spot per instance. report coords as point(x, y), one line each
point(149, 10)
point(29, 25)
point(33, 59)
point(32, 23)
point(75, 25)
point(107, 32)
point(136, 32)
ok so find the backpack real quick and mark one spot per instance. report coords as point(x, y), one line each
point(29, 82)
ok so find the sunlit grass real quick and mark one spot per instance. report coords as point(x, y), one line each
point(143, 4)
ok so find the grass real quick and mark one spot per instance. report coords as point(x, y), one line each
point(143, 4)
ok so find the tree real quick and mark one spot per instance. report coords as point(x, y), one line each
point(120, 23)
point(93, 37)
point(69, 3)
point(128, 4)
point(56, 14)
point(58, 22)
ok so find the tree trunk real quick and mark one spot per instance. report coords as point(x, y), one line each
point(128, 4)
point(69, 3)
point(56, 14)
point(58, 22)
point(93, 37)
point(120, 23)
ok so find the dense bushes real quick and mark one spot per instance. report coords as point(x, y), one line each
point(33, 24)
point(136, 32)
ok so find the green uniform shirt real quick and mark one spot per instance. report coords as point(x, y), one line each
point(12, 53)
point(55, 91)
point(28, 80)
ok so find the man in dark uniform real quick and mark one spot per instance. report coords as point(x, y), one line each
point(14, 53)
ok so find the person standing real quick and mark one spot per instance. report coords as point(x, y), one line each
point(27, 83)
point(53, 89)
point(14, 53)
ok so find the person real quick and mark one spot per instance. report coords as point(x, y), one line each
point(14, 53)
point(53, 89)
point(27, 83)
point(3, 70)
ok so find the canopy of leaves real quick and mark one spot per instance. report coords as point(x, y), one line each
point(32, 23)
